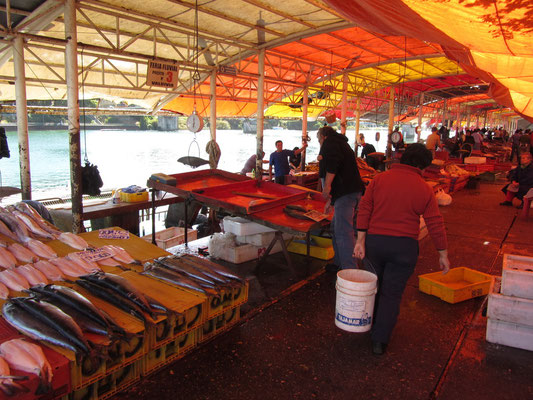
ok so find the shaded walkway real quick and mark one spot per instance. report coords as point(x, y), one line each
point(289, 348)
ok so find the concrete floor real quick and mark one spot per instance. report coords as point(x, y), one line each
point(287, 346)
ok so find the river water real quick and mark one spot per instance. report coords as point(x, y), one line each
point(129, 157)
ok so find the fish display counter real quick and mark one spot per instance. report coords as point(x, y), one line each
point(107, 304)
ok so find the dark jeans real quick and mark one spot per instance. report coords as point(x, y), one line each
point(280, 179)
point(394, 260)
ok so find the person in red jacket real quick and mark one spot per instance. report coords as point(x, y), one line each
point(388, 224)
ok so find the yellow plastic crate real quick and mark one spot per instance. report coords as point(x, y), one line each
point(323, 250)
point(133, 197)
point(457, 285)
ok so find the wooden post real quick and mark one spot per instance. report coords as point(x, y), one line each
point(260, 115)
point(344, 105)
point(213, 105)
point(71, 67)
point(304, 125)
point(391, 121)
point(22, 117)
point(420, 114)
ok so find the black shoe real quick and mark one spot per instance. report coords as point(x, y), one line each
point(332, 267)
point(506, 203)
point(379, 348)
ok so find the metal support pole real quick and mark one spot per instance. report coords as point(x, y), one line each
point(22, 118)
point(304, 125)
point(71, 67)
point(444, 113)
point(468, 117)
point(213, 106)
point(344, 106)
point(260, 115)
point(391, 122)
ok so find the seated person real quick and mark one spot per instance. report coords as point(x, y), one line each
point(250, 164)
point(294, 161)
point(521, 180)
point(367, 147)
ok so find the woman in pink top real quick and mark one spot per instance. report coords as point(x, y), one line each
point(388, 224)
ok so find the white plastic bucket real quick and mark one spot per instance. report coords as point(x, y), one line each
point(356, 290)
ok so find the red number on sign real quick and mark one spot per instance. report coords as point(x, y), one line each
point(169, 76)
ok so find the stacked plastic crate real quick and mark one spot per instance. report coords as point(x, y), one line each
point(510, 304)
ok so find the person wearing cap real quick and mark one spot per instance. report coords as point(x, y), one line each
point(388, 225)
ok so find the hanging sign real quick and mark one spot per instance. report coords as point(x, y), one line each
point(162, 74)
point(226, 70)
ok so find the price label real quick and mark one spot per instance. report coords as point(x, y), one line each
point(113, 234)
point(94, 254)
point(315, 215)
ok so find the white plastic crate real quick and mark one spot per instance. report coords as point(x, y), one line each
point(510, 334)
point(243, 227)
point(509, 308)
point(517, 276)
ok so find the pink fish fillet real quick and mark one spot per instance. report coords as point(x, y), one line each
point(32, 275)
point(7, 259)
point(88, 266)
point(49, 270)
point(32, 225)
point(4, 291)
point(120, 254)
point(22, 253)
point(73, 240)
point(28, 357)
point(13, 280)
point(41, 249)
point(68, 267)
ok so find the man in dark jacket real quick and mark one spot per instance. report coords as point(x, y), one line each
point(521, 179)
point(342, 190)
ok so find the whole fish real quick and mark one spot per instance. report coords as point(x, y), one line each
point(85, 314)
point(120, 254)
point(13, 280)
point(36, 217)
point(88, 266)
point(49, 270)
point(32, 275)
point(41, 249)
point(32, 226)
point(43, 321)
point(122, 287)
point(68, 267)
point(15, 226)
point(4, 230)
point(175, 278)
point(112, 298)
point(219, 269)
point(7, 259)
point(21, 253)
point(186, 270)
point(220, 279)
point(68, 299)
point(4, 291)
point(73, 240)
point(28, 357)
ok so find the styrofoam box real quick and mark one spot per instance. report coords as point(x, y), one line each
point(509, 308)
point(475, 160)
point(260, 239)
point(517, 276)
point(246, 252)
point(509, 334)
point(243, 227)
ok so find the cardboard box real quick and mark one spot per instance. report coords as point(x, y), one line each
point(172, 237)
point(457, 285)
